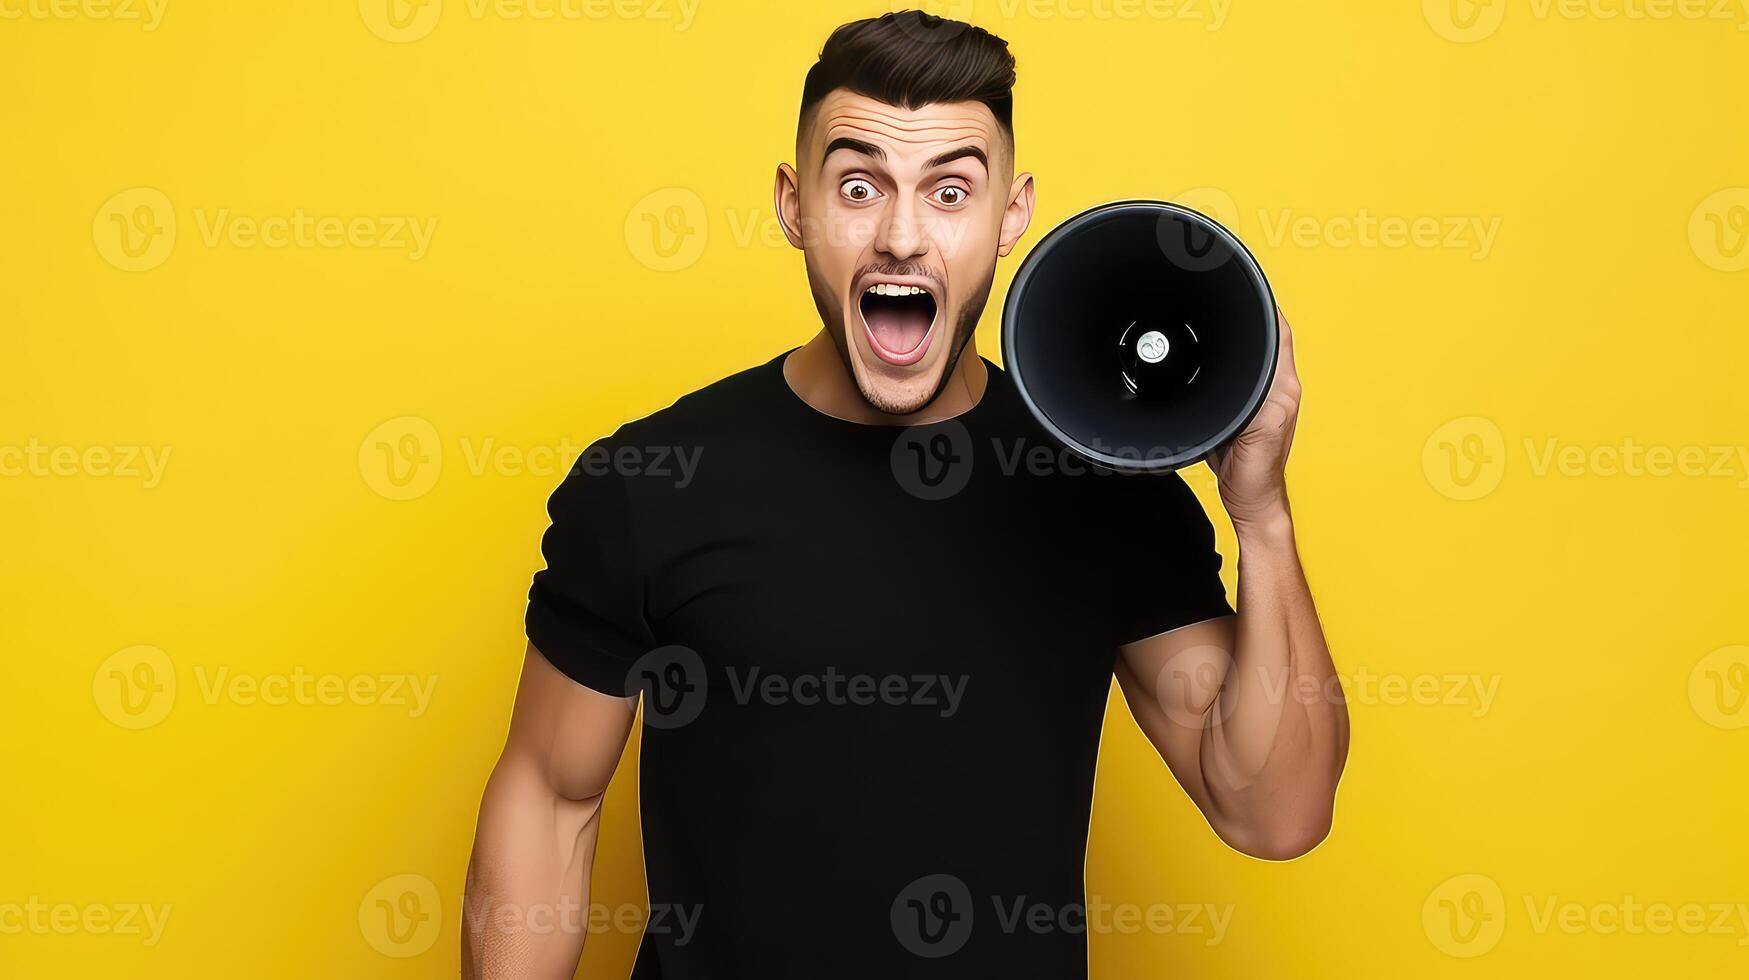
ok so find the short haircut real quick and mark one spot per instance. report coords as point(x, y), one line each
point(912, 59)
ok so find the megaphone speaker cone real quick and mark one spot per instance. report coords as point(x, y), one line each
point(1141, 334)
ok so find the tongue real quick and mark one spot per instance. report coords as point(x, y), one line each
point(898, 328)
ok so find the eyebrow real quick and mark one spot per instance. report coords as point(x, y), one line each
point(854, 146)
point(870, 150)
point(952, 155)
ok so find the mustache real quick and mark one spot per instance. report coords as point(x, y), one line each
point(902, 269)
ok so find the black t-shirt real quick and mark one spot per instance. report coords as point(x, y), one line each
point(875, 661)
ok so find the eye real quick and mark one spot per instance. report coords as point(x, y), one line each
point(858, 190)
point(951, 196)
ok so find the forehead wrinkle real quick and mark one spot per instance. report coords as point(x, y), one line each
point(899, 119)
point(912, 137)
point(913, 132)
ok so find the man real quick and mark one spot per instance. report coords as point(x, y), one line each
point(873, 710)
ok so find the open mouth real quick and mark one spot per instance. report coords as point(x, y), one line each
point(900, 320)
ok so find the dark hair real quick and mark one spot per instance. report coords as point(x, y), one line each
point(912, 59)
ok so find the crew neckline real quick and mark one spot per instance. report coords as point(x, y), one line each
point(993, 376)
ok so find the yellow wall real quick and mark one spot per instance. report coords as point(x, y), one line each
point(1520, 476)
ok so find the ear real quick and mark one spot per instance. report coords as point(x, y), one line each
point(786, 195)
point(1018, 214)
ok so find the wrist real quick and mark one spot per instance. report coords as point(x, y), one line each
point(1269, 529)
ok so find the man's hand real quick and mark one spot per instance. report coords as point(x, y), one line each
point(1251, 468)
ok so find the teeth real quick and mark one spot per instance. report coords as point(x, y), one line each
point(892, 289)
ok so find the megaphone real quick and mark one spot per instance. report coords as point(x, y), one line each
point(1142, 335)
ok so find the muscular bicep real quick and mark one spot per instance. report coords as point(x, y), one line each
point(1170, 682)
point(567, 735)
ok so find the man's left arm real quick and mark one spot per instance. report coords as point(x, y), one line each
point(1247, 710)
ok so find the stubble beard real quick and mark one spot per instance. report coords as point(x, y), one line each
point(965, 325)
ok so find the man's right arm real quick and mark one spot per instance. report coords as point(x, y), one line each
point(526, 910)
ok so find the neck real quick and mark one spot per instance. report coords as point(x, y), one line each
point(816, 372)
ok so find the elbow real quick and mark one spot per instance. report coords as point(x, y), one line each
point(1283, 840)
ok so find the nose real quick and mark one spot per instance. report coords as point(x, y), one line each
point(902, 234)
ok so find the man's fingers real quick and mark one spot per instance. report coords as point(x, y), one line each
point(1284, 354)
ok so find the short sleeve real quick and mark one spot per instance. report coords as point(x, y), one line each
point(586, 608)
point(1168, 573)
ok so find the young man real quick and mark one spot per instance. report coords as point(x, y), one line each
point(873, 706)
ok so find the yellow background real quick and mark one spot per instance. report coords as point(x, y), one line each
point(1605, 311)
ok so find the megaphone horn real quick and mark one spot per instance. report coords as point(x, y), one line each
point(1142, 335)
